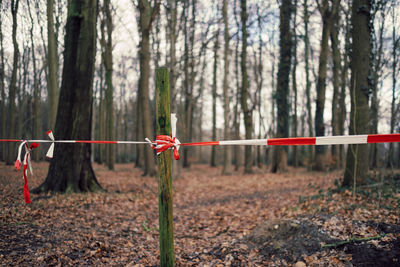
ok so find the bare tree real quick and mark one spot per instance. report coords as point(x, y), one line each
point(247, 111)
point(71, 169)
point(147, 16)
point(13, 84)
point(285, 45)
point(3, 106)
point(328, 10)
point(227, 168)
point(357, 155)
point(52, 63)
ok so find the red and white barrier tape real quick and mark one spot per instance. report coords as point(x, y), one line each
point(27, 163)
point(165, 142)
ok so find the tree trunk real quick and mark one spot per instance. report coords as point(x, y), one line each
point(334, 35)
point(188, 90)
point(52, 63)
point(357, 155)
point(377, 67)
point(393, 112)
point(147, 15)
point(214, 101)
point(236, 115)
point(247, 111)
point(344, 78)
point(327, 14)
point(295, 159)
point(279, 161)
point(71, 169)
point(308, 83)
point(13, 86)
point(36, 93)
point(227, 168)
point(3, 106)
point(108, 66)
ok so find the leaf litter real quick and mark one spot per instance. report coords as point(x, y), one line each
point(238, 220)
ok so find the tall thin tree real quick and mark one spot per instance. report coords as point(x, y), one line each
point(282, 91)
point(247, 111)
point(357, 155)
point(13, 84)
point(328, 10)
point(108, 66)
point(52, 65)
point(147, 16)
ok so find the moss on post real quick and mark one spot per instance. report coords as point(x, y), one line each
point(164, 161)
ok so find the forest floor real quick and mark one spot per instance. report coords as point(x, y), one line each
point(261, 219)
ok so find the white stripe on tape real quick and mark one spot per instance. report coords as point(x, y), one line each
point(341, 140)
point(259, 142)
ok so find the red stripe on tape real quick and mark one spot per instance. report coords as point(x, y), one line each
point(214, 143)
point(383, 138)
point(96, 142)
point(299, 141)
point(10, 140)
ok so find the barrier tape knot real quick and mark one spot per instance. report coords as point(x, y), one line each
point(165, 142)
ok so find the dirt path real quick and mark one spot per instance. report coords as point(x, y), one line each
point(213, 216)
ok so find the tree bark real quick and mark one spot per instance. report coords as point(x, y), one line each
point(393, 111)
point(36, 90)
point(227, 167)
point(214, 100)
point(70, 169)
point(279, 161)
point(52, 63)
point(308, 83)
point(344, 85)
point(357, 155)
point(377, 66)
point(295, 158)
point(334, 36)
point(108, 66)
point(13, 85)
point(327, 13)
point(247, 111)
point(3, 106)
point(147, 16)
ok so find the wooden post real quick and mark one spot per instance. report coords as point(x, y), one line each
point(164, 161)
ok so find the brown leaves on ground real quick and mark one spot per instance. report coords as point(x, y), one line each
point(213, 218)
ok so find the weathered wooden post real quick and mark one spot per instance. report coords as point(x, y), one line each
point(164, 160)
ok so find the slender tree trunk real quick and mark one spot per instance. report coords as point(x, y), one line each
point(3, 106)
point(188, 90)
point(334, 34)
point(327, 14)
point(52, 63)
point(102, 114)
point(247, 112)
point(357, 155)
point(285, 44)
point(344, 85)
point(236, 116)
point(308, 83)
point(227, 168)
point(108, 66)
point(393, 112)
point(295, 158)
point(214, 100)
point(36, 93)
point(71, 169)
point(259, 73)
point(13, 85)
point(147, 16)
point(377, 72)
